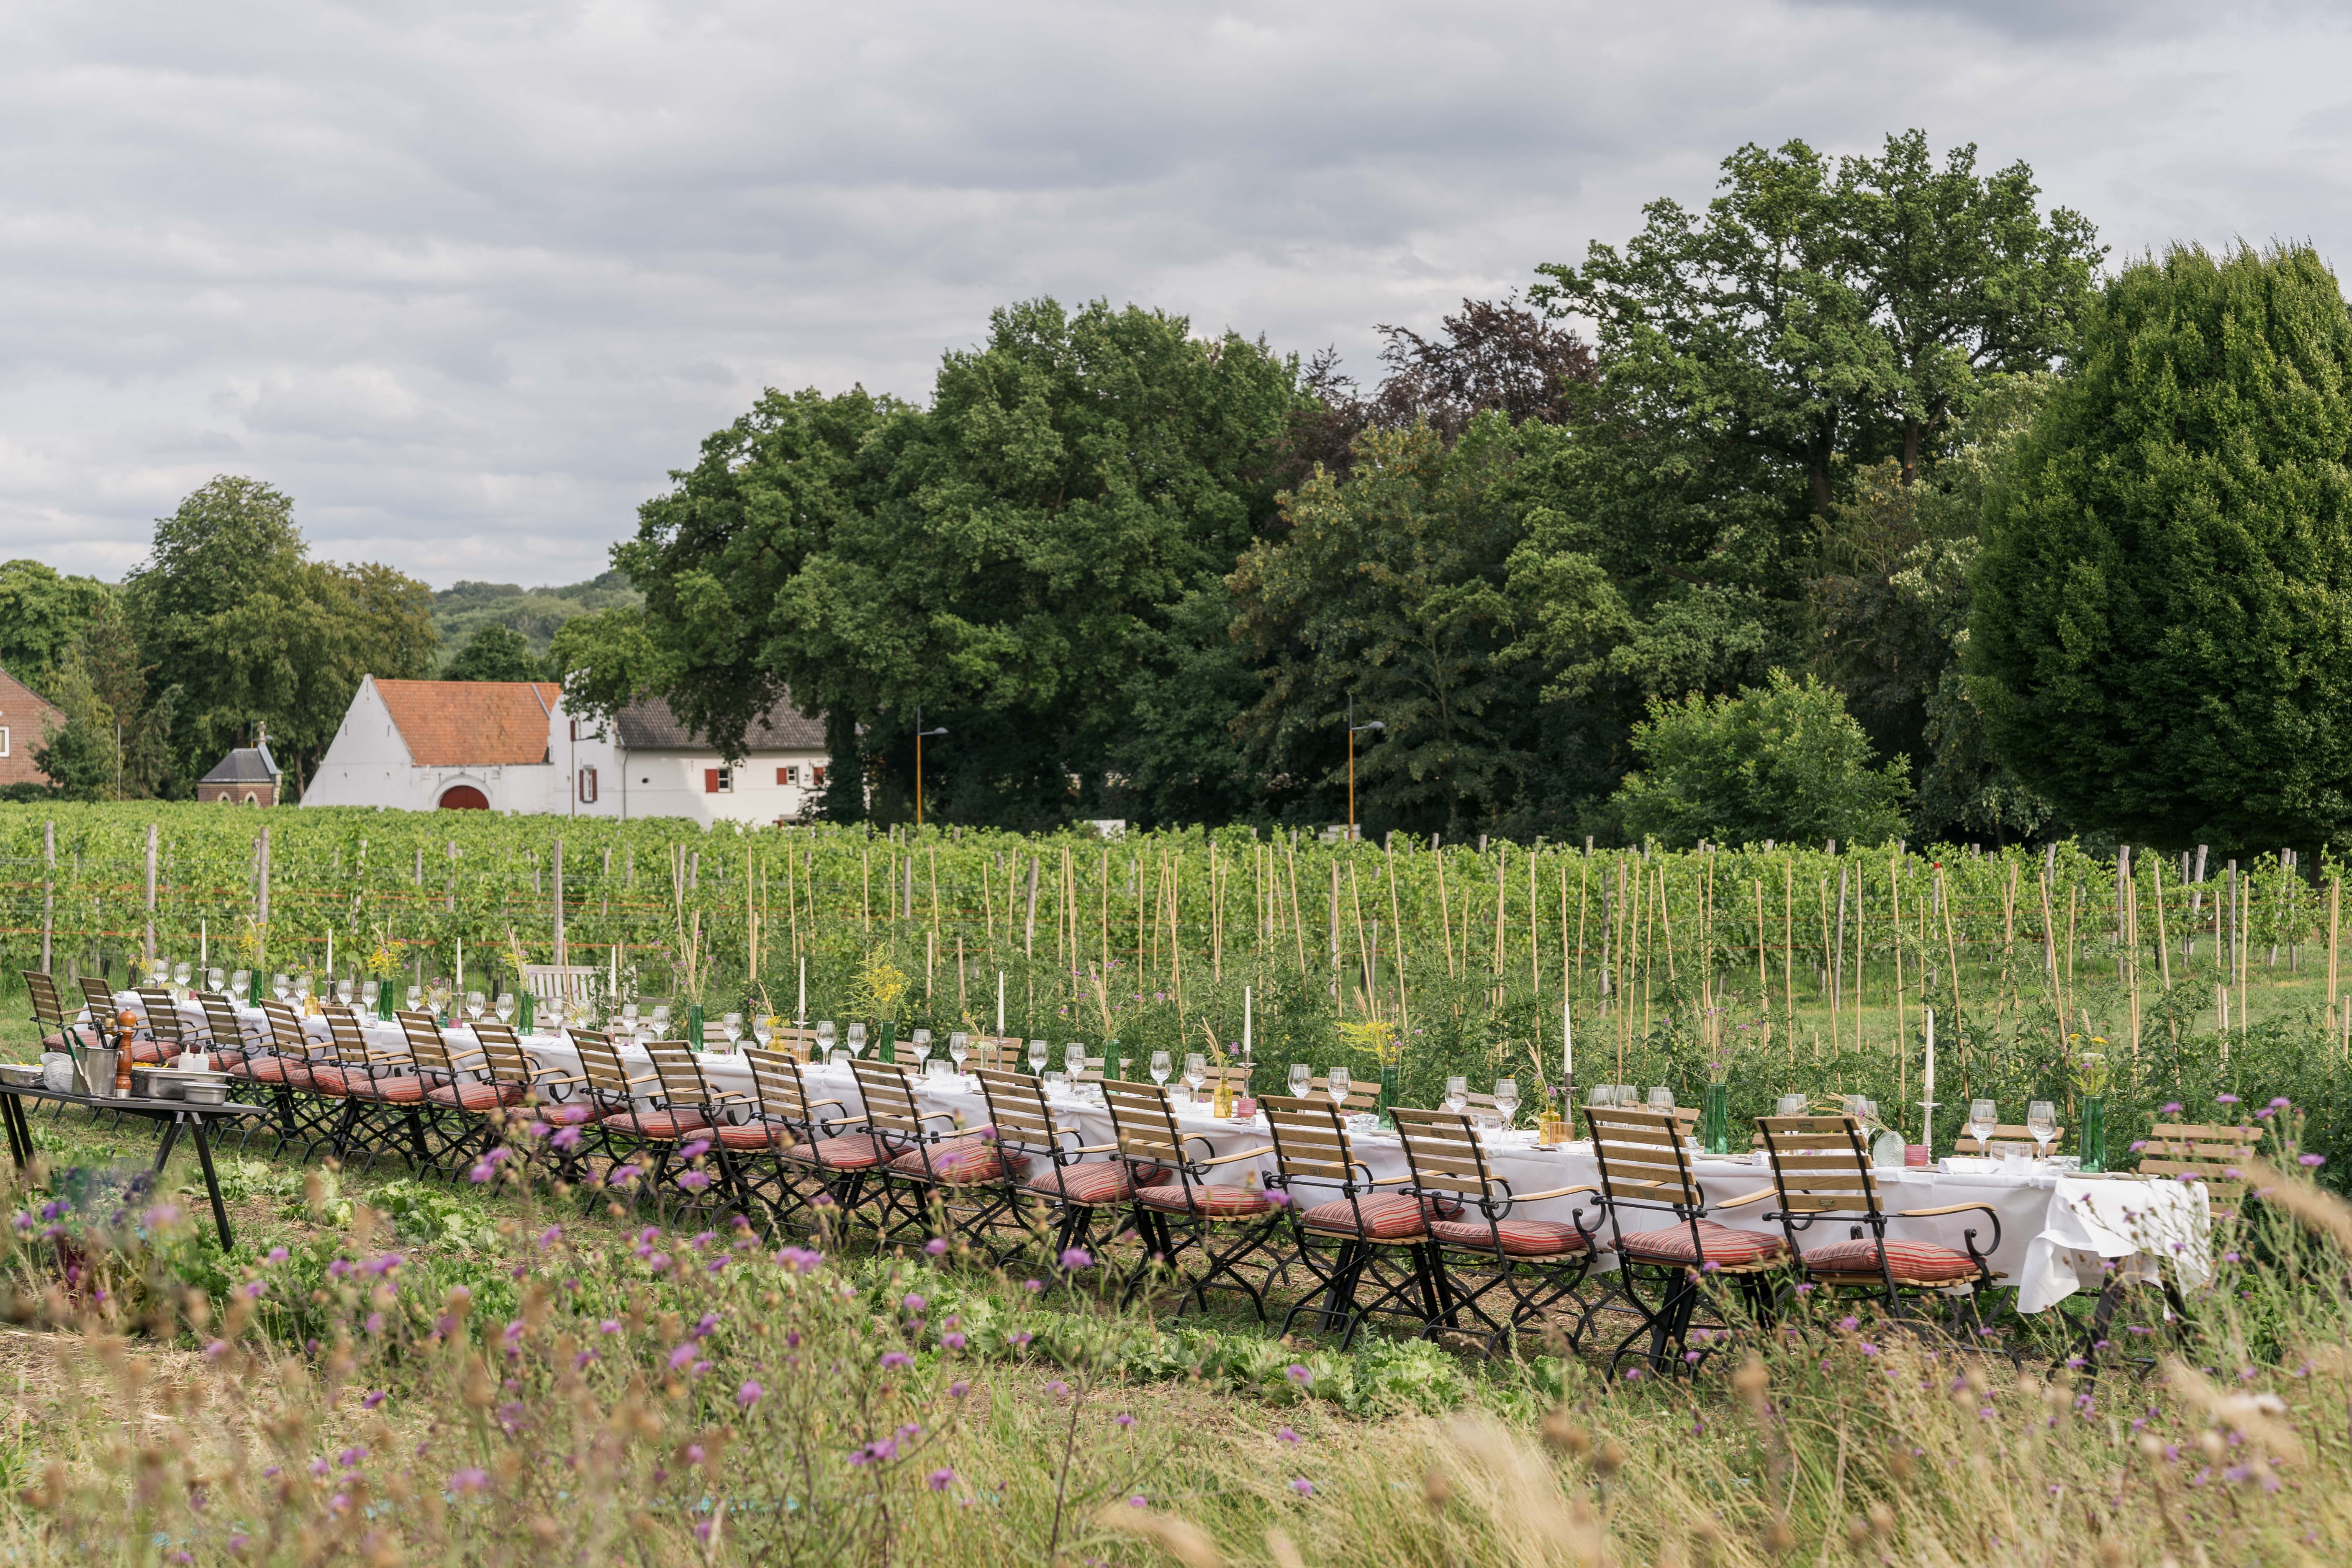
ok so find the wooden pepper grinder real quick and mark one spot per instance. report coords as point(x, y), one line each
point(123, 1073)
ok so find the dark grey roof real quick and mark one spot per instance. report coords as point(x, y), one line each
point(246, 764)
point(648, 725)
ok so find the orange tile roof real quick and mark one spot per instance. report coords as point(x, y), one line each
point(460, 723)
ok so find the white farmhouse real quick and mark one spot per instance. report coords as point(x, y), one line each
point(510, 745)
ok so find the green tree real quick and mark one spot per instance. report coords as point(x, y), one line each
point(81, 757)
point(42, 613)
point(1008, 560)
point(495, 653)
point(1784, 762)
point(2161, 637)
point(247, 632)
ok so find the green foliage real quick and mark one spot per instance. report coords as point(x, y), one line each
point(2161, 639)
point(537, 613)
point(82, 759)
point(495, 653)
point(42, 613)
point(250, 633)
point(1786, 762)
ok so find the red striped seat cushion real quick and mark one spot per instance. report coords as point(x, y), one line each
point(272, 1070)
point(1911, 1262)
point(57, 1042)
point(751, 1135)
point(477, 1096)
point(1088, 1184)
point(960, 1161)
point(1375, 1217)
point(327, 1078)
point(402, 1088)
point(148, 1053)
point(569, 1113)
point(661, 1126)
point(1214, 1203)
point(1725, 1247)
point(854, 1152)
point(1520, 1237)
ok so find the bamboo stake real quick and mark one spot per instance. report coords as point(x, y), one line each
point(1297, 925)
point(1828, 967)
point(866, 895)
point(1902, 1023)
point(1534, 976)
point(1397, 919)
point(1583, 883)
point(1763, 985)
point(1363, 954)
point(1951, 943)
point(1106, 914)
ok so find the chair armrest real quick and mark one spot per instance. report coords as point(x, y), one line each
point(1094, 1149)
point(1948, 1208)
point(1555, 1193)
point(1387, 1181)
point(819, 1104)
point(1242, 1154)
point(946, 1116)
point(1758, 1196)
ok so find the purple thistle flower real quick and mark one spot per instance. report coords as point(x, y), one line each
point(469, 1480)
point(1077, 1258)
point(936, 1247)
point(892, 1359)
point(749, 1395)
point(941, 1479)
point(1298, 1375)
point(1303, 1487)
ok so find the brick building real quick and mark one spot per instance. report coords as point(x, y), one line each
point(25, 722)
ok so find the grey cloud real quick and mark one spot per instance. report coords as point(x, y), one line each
point(469, 282)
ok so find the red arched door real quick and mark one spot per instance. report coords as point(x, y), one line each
point(464, 797)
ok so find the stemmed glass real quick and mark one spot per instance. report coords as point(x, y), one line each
point(369, 992)
point(344, 989)
point(415, 997)
point(731, 1026)
point(1790, 1105)
point(659, 1026)
point(1160, 1066)
point(1340, 1086)
point(213, 980)
point(1662, 1099)
point(1038, 1052)
point(629, 1019)
point(1196, 1071)
point(2042, 1120)
point(959, 1048)
point(159, 970)
point(1983, 1115)
point(825, 1039)
point(1074, 1059)
point(856, 1041)
point(1507, 1099)
point(1457, 1094)
point(282, 986)
point(763, 1029)
point(919, 1043)
point(474, 1004)
point(303, 991)
point(180, 976)
point(1602, 1096)
point(506, 1007)
point(1302, 1079)
point(240, 983)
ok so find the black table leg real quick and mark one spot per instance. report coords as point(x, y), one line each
point(13, 1112)
point(212, 1183)
point(163, 1149)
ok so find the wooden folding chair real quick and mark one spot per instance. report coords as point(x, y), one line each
point(1480, 1247)
point(1224, 1225)
point(694, 1109)
point(785, 1143)
point(164, 1029)
point(1073, 1187)
point(1821, 1170)
point(280, 1067)
point(1646, 1165)
point(52, 1018)
point(960, 1175)
point(623, 1130)
point(225, 1035)
point(1358, 1228)
point(383, 1089)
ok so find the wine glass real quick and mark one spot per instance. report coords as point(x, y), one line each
point(282, 986)
point(1662, 1099)
point(1790, 1105)
point(475, 1002)
point(504, 1006)
point(2042, 1120)
point(159, 970)
point(1038, 1052)
point(240, 985)
point(1160, 1066)
point(857, 1040)
point(825, 1039)
point(1196, 1071)
point(1457, 1094)
point(1507, 1099)
point(1058, 1084)
point(1074, 1059)
point(731, 1026)
point(959, 1049)
point(628, 1017)
point(415, 999)
point(212, 978)
point(1339, 1085)
point(1983, 1115)
point(1302, 1079)
point(552, 1014)
point(763, 1029)
point(1602, 1096)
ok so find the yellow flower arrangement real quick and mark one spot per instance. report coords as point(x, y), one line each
point(880, 986)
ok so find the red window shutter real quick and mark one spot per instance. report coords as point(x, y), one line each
point(783, 775)
point(710, 780)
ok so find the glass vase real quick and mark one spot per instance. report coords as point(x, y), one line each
point(2094, 1132)
point(886, 1040)
point(385, 1002)
point(694, 1025)
point(1387, 1098)
point(525, 1014)
point(1715, 1121)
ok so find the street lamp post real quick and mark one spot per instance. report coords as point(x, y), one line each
point(919, 734)
point(1353, 730)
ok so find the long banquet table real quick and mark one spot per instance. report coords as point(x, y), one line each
point(2059, 1231)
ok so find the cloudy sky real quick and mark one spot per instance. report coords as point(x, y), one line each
point(468, 281)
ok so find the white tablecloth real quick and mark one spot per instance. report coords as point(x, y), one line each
point(2059, 1231)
